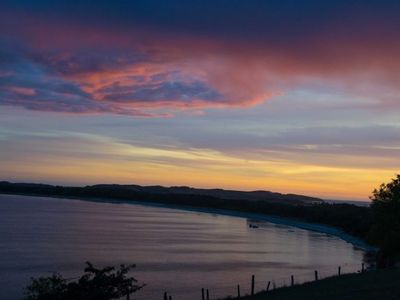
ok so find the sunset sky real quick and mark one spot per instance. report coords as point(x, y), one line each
point(289, 96)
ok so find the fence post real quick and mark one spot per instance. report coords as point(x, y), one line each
point(269, 282)
point(165, 296)
point(170, 298)
point(252, 285)
point(238, 291)
point(208, 295)
point(292, 280)
point(128, 296)
point(202, 294)
point(316, 275)
point(339, 271)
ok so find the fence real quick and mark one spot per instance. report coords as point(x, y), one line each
point(205, 293)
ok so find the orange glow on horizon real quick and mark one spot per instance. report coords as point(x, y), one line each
point(126, 164)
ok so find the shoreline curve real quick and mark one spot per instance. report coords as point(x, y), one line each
point(356, 242)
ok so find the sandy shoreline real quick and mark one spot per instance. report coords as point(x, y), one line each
point(358, 243)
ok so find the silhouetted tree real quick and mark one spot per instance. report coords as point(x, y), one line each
point(47, 288)
point(385, 230)
point(95, 284)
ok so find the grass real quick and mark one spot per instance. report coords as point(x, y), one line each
point(381, 284)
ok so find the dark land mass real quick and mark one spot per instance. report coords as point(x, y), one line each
point(226, 194)
point(354, 220)
point(379, 284)
point(170, 191)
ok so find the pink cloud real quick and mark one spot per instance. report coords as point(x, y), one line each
point(23, 91)
point(140, 70)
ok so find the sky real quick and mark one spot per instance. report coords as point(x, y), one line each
point(289, 96)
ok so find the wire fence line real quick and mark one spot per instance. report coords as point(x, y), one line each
point(268, 285)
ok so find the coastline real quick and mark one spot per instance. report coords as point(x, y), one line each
point(356, 242)
point(321, 228)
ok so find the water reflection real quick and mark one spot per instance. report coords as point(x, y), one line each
point(175, 251)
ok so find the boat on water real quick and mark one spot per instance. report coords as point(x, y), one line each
point(253, 226)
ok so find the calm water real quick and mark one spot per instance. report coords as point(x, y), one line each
point(176, 251)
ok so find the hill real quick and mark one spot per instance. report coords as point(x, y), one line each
point(217, 193)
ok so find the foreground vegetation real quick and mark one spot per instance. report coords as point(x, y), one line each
point(95, 284)
point(380, 284)
point(385, 226)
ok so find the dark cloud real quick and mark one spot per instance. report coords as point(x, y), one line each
point(164, 91)
point(272, 21)
point(41, 82)
point(25, 83)
point(88, 61)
